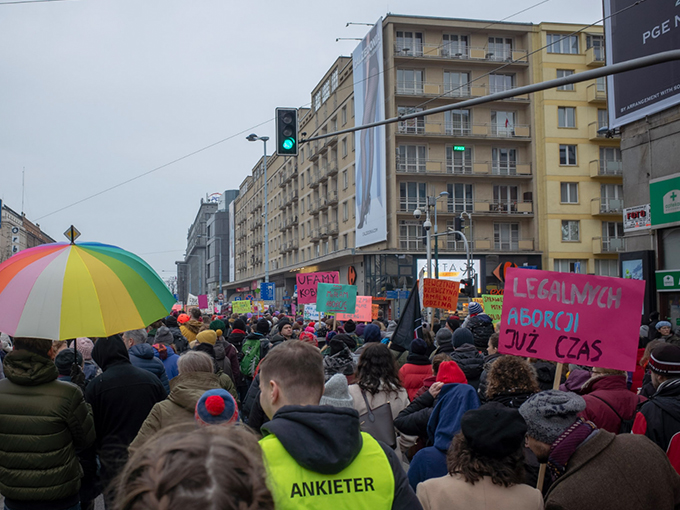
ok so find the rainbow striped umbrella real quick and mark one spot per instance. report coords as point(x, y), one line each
point(60, 291)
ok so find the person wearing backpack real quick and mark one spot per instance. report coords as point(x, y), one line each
point(255, 347)
point(609, 403)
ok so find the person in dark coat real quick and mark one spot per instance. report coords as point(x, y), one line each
point(444, 341)
point(417, 368)
point(339, 359)
point(480, 324)
point(163, 350)
point(659, 417)
point(121, 398)
point(142, 356)
point(609, 402)
point(652, 332)
point(545, 373)
point(180, 344)
point(467, 356)
point(489, 359)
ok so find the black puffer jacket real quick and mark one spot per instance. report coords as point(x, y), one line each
point(488, 361)
point(481, 326)
point(413, 420)
point(42, 423)
point(471, 363)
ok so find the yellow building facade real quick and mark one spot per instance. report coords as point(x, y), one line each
point(578, 167)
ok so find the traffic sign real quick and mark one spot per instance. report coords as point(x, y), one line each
point(267, 291)
point(72, 234)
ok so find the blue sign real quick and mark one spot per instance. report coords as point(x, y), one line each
point(397, 294)
point(267, 291)
point(238, 298)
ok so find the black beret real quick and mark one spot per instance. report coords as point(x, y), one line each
point(494, 430)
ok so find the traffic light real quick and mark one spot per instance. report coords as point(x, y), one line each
point(286, 132)
point(458, 225)
point(467, 287)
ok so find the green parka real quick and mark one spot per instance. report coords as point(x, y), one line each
point(42, 423)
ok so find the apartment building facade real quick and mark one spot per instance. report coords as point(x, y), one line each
point(579, 178)
point(18, 233)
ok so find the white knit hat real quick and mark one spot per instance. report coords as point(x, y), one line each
point(336, 393)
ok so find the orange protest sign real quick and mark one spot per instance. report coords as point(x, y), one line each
point(363, 311)
point(375, 308)
point(440, 294)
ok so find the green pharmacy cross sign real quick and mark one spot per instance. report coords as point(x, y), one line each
point(664, 197)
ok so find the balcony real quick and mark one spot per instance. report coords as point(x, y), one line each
point(504, 207)
point(316, 234)
point(451, 50)
point(332, 168)
point(596, 96)
point(467, 130)
point(315, 179)
point(313, 151)
point(608, 245)
point(257, 221)
point(323, 231)
point(333, 228)
point(606, 168)
point(606, 207)
point(601, 138)
point(513, 245)
point(331, 141)
point(282, 179)
point(595, 56)
point(332, 197)
point(289, 199)
point(496, 169)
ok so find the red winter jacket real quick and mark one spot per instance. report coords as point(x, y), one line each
point(413, 374)
point(612, 390)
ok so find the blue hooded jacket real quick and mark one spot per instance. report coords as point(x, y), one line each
point(372, 334)
point(142, 356)
point(453, 402)
point(170, 362)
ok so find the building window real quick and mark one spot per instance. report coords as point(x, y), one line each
point(566, 117)
point(502, 123)
point(345, 213)
point(611, 198)
point(505, 199)
point(344, 147)
point(501, 82)
point(570, 230)
point(351, 110)
point(458, 161)
point(602, 118)
point(601, 84)
point(612, 236)
point(500, 48)
point(345, 182)
point(302, 231)
point(413, 195)
point(458, 122)
point(607, 267)
point(409, 43)
point(460, 198)
point(410, 126)
point(557, 43)
point(409, 235)
point(456, 84)
point(569, 192)
point(325, 91)
point(344, 115)
point(506, 236)
point(610, 161)
point(454, 46)
point(411, 158)
point(354, 207)
point(568, 155)
point(563, 73)
point(410, 81)
point(334, 80)
point(597, 43)
point(504, 161)
point(317, 101)
point(571, 266)
point(345, 244)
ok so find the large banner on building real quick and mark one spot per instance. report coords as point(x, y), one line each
point(638, 31)
point(369, 106)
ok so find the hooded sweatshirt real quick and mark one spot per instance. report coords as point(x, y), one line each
point(326, 440)
point(453, 402)
point(121, 399)
point(142, 356)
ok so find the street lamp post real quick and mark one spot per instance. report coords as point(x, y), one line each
point(427, 225)
point(252, 138)
point(436, 239)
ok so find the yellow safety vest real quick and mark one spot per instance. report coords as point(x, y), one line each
point(367, 483)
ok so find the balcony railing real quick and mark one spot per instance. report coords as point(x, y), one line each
point(476, 168)
point(459, 51)
point(510, 207)
point(333, 228)
point(606, 168)
point(595, 56)
point(315, 179)
point(608, 244)
point(468, 130)
point(332, 197)
point(596, 95)
point(606, 206)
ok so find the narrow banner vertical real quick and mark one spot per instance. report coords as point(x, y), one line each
point(369, 106)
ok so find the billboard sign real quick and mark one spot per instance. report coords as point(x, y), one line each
point(636, 218)
point(451, 269)
point(638, 31)
point(371, 167)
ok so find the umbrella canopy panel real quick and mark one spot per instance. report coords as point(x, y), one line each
point(61, 291)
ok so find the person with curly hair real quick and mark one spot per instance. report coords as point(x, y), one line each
point(212, 467)
point(485, 465)
point(511, 381)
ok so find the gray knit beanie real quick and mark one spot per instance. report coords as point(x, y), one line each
point(336, 393)
point(444, 335)
point(549, 413)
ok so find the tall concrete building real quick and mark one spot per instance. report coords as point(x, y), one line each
point(18, 233)
point(579, 174)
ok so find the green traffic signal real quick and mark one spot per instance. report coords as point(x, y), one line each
point(288, 144)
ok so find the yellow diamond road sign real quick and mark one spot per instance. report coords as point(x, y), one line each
point(72, 234)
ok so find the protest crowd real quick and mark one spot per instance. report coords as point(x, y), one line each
point(273, 411)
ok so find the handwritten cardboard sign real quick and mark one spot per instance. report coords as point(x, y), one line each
point(363, 311)
point(375, 308)
point(493, 305)
point(310, 312)
point(332, 298)
point(242, 306)
point(307, 282)
point(571, 318)
point(440, 294)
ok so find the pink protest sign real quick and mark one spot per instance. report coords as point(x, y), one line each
point(306, 284)
point(362, 312)
point(571, 318)
point(203, 301)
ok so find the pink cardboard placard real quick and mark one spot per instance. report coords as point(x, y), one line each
point(362, 312)
point(306, 284)
point(571, 318)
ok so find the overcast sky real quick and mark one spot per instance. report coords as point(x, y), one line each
point(95, 92)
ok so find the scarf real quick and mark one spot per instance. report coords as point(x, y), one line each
point(565, 446)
